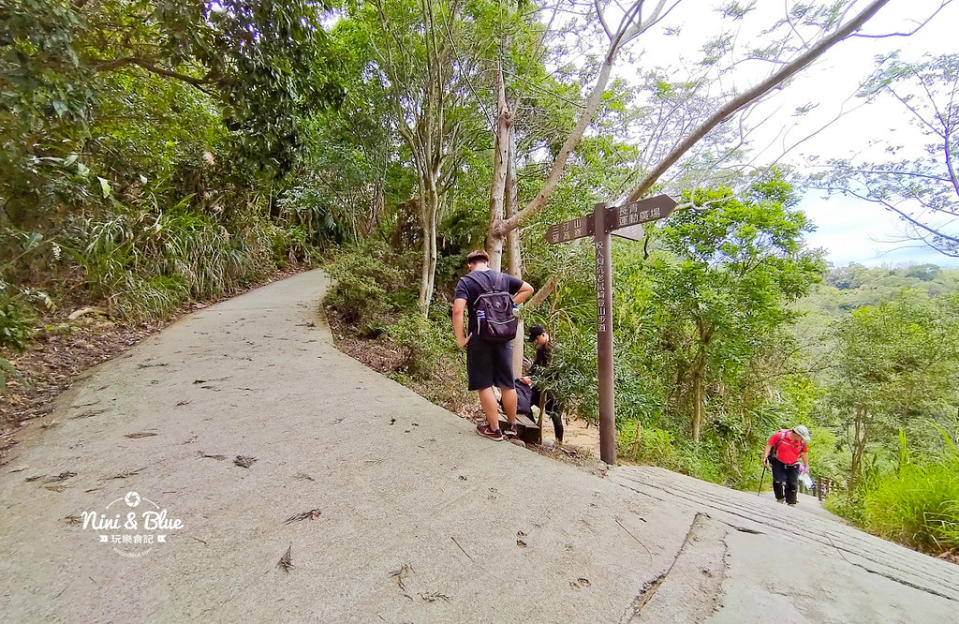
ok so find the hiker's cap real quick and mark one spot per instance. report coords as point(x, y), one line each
point(535, 332)
point(802, 432)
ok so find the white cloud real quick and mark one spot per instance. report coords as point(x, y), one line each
point(855, 231)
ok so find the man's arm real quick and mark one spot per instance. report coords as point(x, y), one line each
point(522, 295)
point(805, 459)
point(766, 452)
point(459, 307)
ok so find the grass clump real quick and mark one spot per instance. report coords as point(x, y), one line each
point(145, 264)
point(919, 505)
point(425, 343)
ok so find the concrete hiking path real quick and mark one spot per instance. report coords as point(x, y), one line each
point(414, 517)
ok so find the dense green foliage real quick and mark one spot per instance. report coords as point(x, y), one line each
point(919, 506)
point(146, 148)
point(915, 503)
point(733, 288)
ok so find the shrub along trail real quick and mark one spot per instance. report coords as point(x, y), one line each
point(312, 489)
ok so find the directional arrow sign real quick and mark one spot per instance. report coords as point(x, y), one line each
point(574, 228)
point(642, 211)
point(632, 232)
point(616, 218)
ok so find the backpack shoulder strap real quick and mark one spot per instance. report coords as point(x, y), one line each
point(782, 436)
point(479, 283)
point(471, 278)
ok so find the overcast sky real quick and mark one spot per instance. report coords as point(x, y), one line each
point(850, 230)
point(854, 231)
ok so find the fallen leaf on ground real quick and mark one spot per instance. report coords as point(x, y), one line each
point(286, 561)
point(434, 596)
point(401, 574)
point(312, 514)
point(63, 476)
point(124, 475)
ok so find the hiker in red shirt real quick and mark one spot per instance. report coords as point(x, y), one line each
point(783, 451)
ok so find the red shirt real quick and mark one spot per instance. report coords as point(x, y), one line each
point(787, 451)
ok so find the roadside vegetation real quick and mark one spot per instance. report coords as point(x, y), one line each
point(159, 154)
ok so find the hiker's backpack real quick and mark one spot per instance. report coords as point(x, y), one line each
point(495, 319)
point(524, 397)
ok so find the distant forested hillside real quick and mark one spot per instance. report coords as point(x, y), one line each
point(850, 287)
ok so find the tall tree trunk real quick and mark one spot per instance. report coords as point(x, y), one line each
point(499, 227)
point(428, 213)
point(514, 246)
point(858, 445)
point(699, 372)
point(513, 239)
point(698, 407)
point(497, 197)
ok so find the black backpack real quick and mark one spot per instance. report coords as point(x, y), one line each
point(494, 311)
point(524, 397)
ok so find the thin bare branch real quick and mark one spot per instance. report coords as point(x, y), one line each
point(756, 92)
point(602, 19)
point(910, 33)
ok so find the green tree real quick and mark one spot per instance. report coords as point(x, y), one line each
point(262, 66)
point(895, 367)
point(421, 58)
point(719, 301)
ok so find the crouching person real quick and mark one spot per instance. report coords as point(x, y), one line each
point(539, 373)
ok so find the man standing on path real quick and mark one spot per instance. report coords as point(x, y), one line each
point(783, 452)
point(488, 363)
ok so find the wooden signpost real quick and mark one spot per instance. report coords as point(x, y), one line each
point(625, 221)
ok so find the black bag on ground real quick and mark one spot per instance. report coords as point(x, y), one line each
point(524, 398)
point(494, 311)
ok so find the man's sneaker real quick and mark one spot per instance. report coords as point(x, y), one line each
point(510, 430)
point(485, 431)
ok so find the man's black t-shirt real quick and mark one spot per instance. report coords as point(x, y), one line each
point(470, 290)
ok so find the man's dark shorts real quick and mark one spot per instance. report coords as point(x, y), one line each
point(489, 364)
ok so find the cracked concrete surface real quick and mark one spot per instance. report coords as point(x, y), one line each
point(690, 589)
point(312, 489)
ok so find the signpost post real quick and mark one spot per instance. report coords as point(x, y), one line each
point(625, 221)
